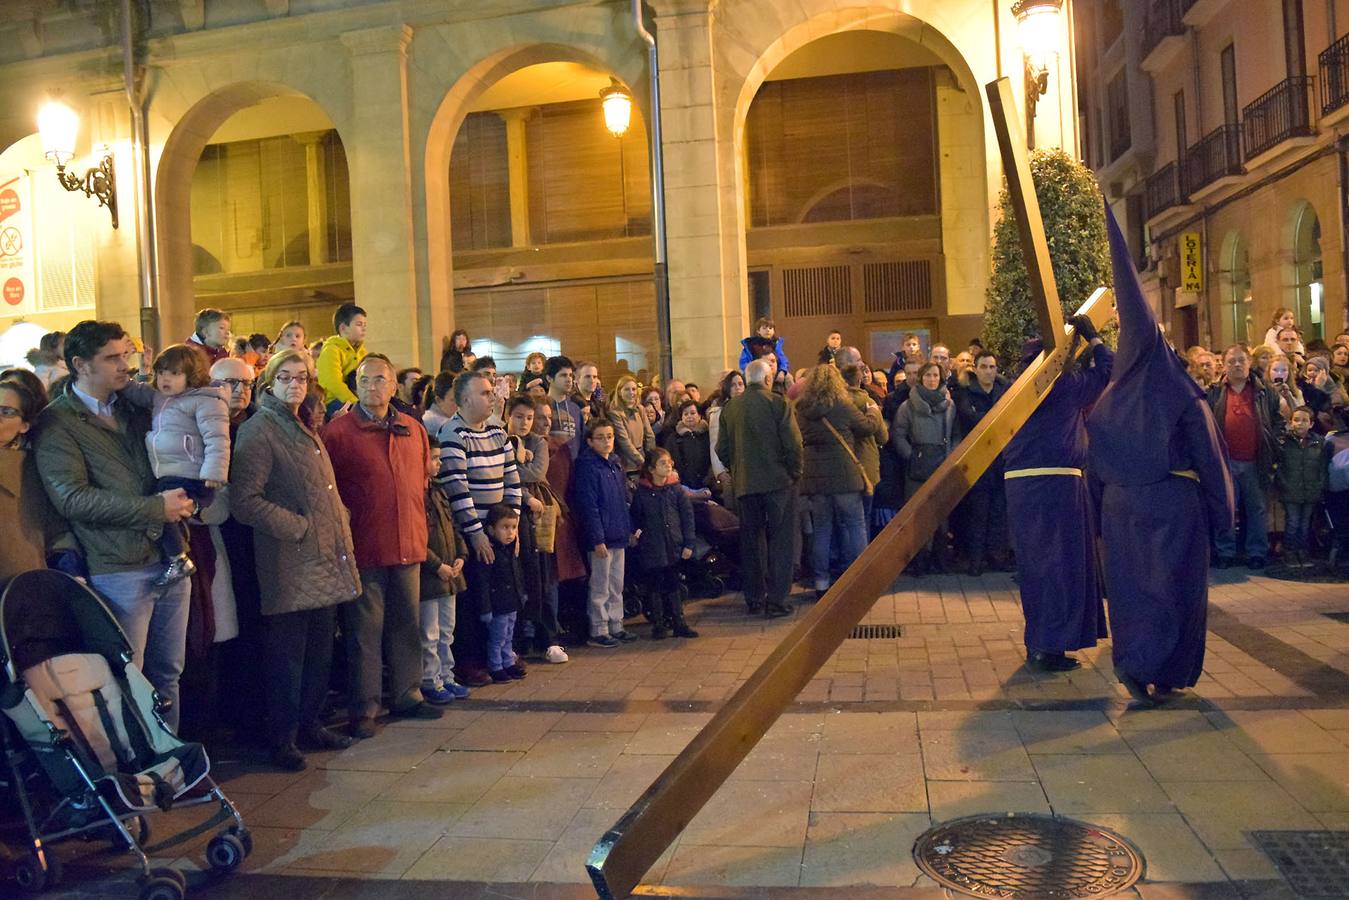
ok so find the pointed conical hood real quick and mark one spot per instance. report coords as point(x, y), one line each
point(1131, 426)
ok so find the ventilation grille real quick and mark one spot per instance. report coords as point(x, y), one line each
point(898, 287)
point(819, 291)
point(61, 224)
point(873, 632)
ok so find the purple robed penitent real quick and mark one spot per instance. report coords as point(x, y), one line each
point(1155, 448)
point(1050, 515)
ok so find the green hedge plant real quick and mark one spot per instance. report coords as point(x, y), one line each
point(1074, 219)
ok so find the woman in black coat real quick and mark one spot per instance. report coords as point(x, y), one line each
point(689, 446)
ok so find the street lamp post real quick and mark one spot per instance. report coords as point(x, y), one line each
point(57, 125)
point(1039, 27)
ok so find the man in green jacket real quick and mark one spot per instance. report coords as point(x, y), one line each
point(92, 459)
point(760, 443)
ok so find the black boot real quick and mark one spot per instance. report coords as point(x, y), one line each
point(674, 609)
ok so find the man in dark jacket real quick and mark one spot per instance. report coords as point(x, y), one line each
point(1247, 414)
point(381, 458)
point(983, 512)
point(92, 459)
point(759, 441)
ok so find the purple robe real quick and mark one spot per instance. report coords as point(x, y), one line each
point(1050, 516)
point(1166, 488)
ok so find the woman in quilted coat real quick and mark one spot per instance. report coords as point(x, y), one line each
point(283, 486)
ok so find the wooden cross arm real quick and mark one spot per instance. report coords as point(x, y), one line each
point(626, 852)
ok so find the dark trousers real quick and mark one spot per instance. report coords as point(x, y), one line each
point(298, 652)
point(173, 541)
point(384, 627)
point(767, 545)
point(985, 524)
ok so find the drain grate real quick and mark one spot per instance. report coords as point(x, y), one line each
point(1025, 856)
point(1314, 863)
point(873, 632)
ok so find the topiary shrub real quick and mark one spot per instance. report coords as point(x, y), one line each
point(1074, 218)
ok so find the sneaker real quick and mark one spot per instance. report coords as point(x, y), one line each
point(179, 567)
point(460, 692)
point(500, 676)
point(363, 727)
point(437, 696)
point(626, 637)
point(555, 654)
point(602, 640)
point(516, 671)
point(474, 677)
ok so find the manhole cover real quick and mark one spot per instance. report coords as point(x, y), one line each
point(873, 632)
point(1314, 863)
point(1027, 856)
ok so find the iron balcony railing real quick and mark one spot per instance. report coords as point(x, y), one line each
point(1335, 76)
point(1217, 154)
point(1282, 112)
point(1163, 189)
point(1162, 21)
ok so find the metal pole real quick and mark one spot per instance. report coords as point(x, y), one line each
point(144, 207)
point(662, 272)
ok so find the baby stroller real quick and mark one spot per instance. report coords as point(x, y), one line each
point(87, 752)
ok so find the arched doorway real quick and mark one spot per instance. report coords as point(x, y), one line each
point(1308, 285)
point(253, 212)
point(548, 221)
point(1237, 319)
point(855, 145)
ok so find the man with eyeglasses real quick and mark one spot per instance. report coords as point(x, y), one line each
point(382, 461)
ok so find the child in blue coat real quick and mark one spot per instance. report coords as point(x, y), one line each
point(765, 329)
point(599, 501)
point(663, 515)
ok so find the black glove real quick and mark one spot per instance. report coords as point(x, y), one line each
point(1083, 326)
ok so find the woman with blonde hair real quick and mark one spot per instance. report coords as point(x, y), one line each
point(633, 435)
point(281, 485)
point(832, 480)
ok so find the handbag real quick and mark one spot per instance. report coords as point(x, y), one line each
point(545, 526)
point(925, 461)
point(867, 487)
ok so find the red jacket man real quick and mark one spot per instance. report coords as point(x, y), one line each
point(382, 461)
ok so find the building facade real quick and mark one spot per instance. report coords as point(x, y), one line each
point(828, 163)
point(1217, 129)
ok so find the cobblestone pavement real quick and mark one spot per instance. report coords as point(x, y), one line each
point(505, 795)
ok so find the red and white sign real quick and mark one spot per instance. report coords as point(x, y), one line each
point(18, 286)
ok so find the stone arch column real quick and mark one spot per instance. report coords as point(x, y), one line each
point(435, 249)
point(190, 103)
point(726, 54)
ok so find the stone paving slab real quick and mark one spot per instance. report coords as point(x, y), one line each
point(506, 793)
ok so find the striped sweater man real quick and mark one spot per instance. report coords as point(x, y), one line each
point(477, 471)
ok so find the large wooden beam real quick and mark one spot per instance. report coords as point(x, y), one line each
point(1044, 289)
point(627, 851)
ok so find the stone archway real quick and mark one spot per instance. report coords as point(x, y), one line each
point(449, 117)
point(173, 189)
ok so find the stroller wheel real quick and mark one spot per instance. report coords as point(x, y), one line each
point(34, 875)
point(245, 837)
point(164, 884)
point(225, 852)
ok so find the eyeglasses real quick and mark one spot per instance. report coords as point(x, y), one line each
point(287, 379)
point(237, 385)
point(9, 412)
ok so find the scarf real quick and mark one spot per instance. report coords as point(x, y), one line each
point(935, 399)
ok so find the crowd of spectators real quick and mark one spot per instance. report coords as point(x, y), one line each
point(273, 518)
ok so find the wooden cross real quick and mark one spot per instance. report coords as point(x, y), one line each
point(628, 849)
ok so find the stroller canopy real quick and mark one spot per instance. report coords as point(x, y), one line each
point(46, 613)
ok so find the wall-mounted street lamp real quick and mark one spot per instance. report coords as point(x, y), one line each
point(57, 125)
point(1039, 25)
point(617, 105)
